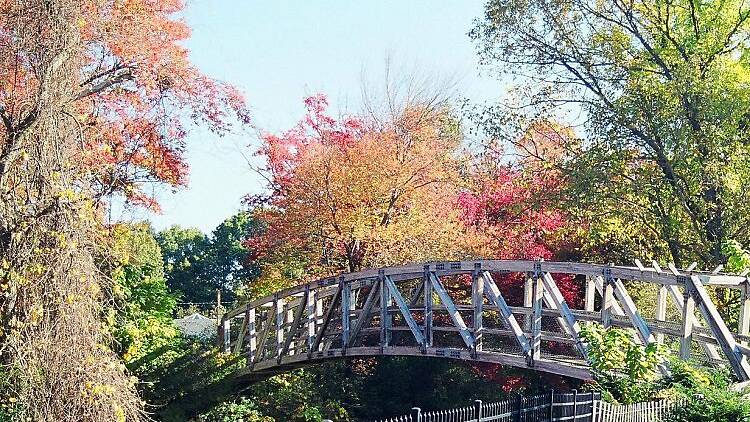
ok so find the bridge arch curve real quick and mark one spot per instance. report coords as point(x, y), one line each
point(412, 310)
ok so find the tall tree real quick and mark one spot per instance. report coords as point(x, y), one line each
point(184, 252)
point(96, 98)
point(228, 262)
point(662, 89)
point(197, 265)
point(359, 192)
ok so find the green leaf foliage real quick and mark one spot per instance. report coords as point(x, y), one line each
point(141, 318)
point(624, 370)
point(197, 264)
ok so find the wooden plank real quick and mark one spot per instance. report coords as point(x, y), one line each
point(386, 322)
point(266, 333)
point(737, 360)
point(678, 300)
point(743, 323)
point(251, 335)
point(428, 305)
point(614, 307)
point(296, 324)
point(607, 304)
point(415, 271)
point(536, 318)
point(401, 303)
point(226, 333)
point(326, 320)
point(366, 315)
point(279, 306)
point(528, 299)
point(639, 323)
point(312, 296)
point(661, 309)
point(477, 303)
point(590, 294)
point(562, 305)
point(241, 335)
point(458, 321)
point(688, 317)
point(496, 297)
point(346, 303)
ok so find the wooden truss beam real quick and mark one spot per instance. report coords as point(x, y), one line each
point(496, 298)
point(405, 312)
point(458, 321)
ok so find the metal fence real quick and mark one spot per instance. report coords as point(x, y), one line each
point(550, 407)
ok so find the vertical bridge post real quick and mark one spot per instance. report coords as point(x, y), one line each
point(688, 315)
point(346, 299)
point(537, 294)
point(661, 309)
point(427, 308)
point(385, 317)
point(477, 302)
point(608, 299)
point(743, 324)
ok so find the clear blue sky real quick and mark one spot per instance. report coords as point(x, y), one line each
point(278, 51)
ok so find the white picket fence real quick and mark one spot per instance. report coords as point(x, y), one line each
point(650, 411)
point(551, 407)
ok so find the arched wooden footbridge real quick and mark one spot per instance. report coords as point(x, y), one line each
point(415, 310)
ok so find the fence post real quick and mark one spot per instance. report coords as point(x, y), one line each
point(575, 405)
point(551, 405)
point(416, 414)
point(519, 406)
point(478, 410)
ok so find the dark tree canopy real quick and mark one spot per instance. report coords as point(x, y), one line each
point(197, 264)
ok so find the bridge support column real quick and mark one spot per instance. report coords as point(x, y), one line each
point(252, 337)
point(280, 317)
point(537, 294)
point(590, 294)
point(608, 299)
point(743, 324)
point(528, 300)
point(477, 302)
point(688, 317)
point(311, 317)
point(385, 317)
point(427, 308)
point(346, 302)
point(661, 309)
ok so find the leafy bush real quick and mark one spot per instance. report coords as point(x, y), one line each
point(624, 370)
point(242, 410)
point(711, 404)
point(706, 394)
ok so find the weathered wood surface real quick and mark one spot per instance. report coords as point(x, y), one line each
point(417, 310)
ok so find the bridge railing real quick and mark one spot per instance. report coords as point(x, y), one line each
point(419, 310)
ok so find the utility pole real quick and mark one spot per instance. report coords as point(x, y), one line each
point(218, 306)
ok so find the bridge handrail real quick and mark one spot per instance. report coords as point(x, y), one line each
point(645, 274)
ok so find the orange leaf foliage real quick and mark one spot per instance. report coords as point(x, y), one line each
point(138, 93)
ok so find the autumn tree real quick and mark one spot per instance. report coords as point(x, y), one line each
point(95, 100)
point(358, 192)
point(659, 89)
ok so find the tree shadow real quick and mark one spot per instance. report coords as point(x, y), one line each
point(184, 379)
